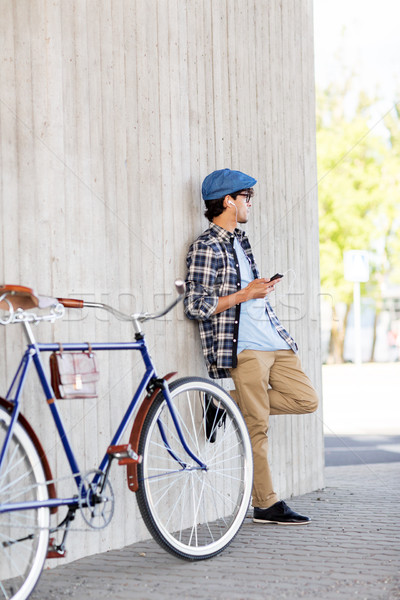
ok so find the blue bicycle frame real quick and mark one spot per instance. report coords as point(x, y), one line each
point(33, 353)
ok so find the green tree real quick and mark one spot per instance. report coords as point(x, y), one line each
point(359, 197)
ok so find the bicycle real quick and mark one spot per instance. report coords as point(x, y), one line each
point(188, 459)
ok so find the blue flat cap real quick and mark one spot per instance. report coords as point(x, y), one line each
point(221, 183)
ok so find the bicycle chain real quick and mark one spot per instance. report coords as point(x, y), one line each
point(80, 503)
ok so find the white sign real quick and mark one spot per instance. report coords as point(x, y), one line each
point(356, 265)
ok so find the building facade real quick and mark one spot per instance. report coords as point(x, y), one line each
point(111, 114)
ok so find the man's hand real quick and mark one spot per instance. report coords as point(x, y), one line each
point(258, 288)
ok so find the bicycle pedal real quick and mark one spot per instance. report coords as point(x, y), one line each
point(124, 453)
point(130, 461)
point(55, 551)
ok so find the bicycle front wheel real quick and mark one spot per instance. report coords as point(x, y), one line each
point(195, 513)
point(24, 534)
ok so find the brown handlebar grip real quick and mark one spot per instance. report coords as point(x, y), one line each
point(71, 303)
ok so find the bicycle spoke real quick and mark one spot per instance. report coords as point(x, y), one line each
point(196, 441)
point(165, 490)
point(175, 506)
point(9, 461)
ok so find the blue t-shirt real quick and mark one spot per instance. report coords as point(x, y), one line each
point(256, 332)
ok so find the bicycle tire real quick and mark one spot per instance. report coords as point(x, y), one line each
point(24, 535)
point(195, 514)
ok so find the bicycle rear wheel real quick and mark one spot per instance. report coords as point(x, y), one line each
point(24, 535)
point(195, 513)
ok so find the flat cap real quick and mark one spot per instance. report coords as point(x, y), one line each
point(223, 182)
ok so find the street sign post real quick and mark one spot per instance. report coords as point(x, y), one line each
point(356, 269)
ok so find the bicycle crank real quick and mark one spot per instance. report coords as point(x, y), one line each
point(96, 500)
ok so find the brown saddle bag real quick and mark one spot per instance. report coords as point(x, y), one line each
point(74, 374)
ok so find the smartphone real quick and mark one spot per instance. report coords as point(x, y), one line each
point(276, 276)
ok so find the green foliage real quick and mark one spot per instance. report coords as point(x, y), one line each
point(359, 190)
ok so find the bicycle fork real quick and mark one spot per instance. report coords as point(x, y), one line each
point(170, 404)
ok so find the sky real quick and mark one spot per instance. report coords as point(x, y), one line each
point(365, 34)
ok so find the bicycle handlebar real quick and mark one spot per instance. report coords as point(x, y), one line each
point(74, 303)
point(22, 299)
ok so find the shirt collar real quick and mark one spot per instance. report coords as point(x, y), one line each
point(225, 235)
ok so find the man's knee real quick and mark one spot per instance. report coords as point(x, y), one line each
point(311, 404)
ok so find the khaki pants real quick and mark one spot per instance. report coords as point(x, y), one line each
point(291, 392)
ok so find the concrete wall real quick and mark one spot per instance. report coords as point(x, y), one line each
point(111, 114)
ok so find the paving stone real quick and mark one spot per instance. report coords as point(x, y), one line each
point(350, 550)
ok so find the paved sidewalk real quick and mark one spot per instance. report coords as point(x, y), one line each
point(350, 550)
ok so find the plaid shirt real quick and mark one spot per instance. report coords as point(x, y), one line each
point(213, 271)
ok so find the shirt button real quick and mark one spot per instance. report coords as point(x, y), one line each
point(234, 340)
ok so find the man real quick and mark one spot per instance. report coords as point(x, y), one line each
point(240, 334)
